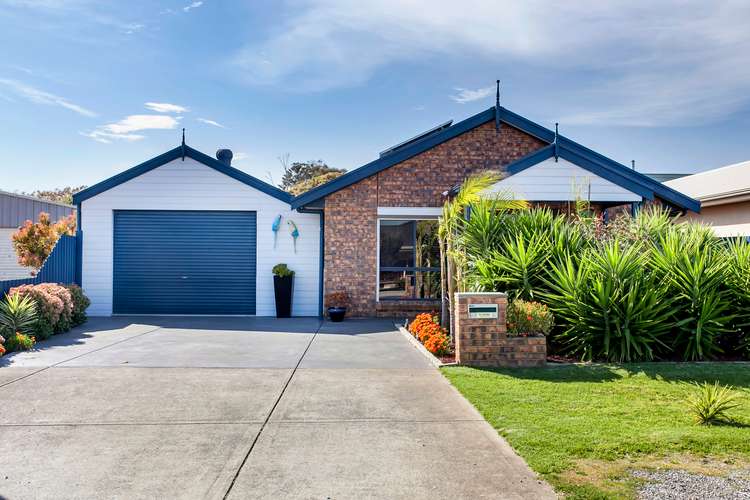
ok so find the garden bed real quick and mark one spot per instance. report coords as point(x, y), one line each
point(585, 427)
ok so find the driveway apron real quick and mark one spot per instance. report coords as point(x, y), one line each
point(243, 408)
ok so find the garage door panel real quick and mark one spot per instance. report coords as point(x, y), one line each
point(184, 262)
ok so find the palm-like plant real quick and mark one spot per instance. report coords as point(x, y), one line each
point(17, 314)
point(454, 214)
point(609, 304)
point(693, 271)
point(711, 403)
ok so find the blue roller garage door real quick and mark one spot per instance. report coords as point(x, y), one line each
point(184, 262)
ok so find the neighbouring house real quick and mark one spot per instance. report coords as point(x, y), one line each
point(724, 194)
point(186, 233)
point(15, 209)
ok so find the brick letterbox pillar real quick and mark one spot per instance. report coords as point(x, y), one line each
point(481, 338)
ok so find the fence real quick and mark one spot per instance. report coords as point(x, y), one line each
point(60, 267)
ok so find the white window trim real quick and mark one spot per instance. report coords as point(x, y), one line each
point(407, 213)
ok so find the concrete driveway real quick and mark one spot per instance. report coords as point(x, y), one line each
point(243, 408)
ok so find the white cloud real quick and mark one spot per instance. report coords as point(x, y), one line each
point(192, 6)
point(41, 97)
point(125, 128)
point(239, 156)
point(463, 96)
point(210, 122)
point(635, 62)
point(165, 107)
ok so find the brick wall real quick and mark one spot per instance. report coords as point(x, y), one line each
point(485, 342)
point(351, 213)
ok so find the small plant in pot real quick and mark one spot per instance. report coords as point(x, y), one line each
point(283, 288)
point(337, 302)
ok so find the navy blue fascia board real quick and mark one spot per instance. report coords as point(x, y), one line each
point(173, 154)
point(606, 173)
point(596, 162)
point(530, 160)
point(239, 175)
point(394, 158)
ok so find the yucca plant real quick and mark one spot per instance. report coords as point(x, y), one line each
point(17, 314)
point(692, 270)
point(517, 267)
point(710, 403)
point(609, 306)
point(737, 253)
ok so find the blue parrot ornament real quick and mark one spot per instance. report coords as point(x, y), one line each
point(294, 232)
point(275, 228)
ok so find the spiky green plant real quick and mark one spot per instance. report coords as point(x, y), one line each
point(609, 305)
point(17, 314)
point(518, 267)
point(453, 255)
point(710, 403)
point(692, 270)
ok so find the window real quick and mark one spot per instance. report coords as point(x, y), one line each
point(409, 260)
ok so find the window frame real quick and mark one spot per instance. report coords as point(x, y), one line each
point(429, 214)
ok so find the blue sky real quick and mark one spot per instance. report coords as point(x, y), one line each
point(89, 88)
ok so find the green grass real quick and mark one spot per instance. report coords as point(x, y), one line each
point(562, 419)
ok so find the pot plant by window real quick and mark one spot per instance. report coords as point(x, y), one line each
point(336, 303)
point(283, 287)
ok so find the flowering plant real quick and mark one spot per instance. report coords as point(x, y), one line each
point(337, 299)
point(428, 331)
point(528, 318)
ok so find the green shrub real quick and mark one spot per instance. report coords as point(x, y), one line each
point(80, 304)
point(692, 270)
point(17, 314)
point(55, 307)
point(532, 318)
point(609, 306)
point(19, 342)
point(282, 271)
point(711, 402)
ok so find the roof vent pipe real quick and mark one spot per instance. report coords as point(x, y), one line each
point(224, 156)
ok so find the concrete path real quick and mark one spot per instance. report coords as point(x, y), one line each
point(243, 408)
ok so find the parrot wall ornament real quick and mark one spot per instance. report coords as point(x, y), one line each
point(294, 232)
point(275, 228)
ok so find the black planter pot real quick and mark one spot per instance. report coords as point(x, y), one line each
point(282, 289)
point(336, 314)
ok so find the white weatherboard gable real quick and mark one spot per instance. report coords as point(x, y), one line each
point(191, 185)
point(561, 180)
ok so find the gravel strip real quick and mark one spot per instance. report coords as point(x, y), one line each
point(681, 485)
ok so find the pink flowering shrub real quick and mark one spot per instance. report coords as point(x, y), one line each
point(58, 307)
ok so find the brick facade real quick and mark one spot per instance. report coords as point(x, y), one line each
point(351, 213)
point(485, 342)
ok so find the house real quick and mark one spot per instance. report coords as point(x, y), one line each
point(15, 209)
point(724, 194)
point(186, 233)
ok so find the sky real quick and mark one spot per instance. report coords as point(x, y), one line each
point(89, 88)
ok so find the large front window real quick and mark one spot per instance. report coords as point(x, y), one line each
point(409, 260)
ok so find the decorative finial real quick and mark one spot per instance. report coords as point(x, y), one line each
point(557, 147)
point(183, 144)
point(497, 106)
point(632, 164)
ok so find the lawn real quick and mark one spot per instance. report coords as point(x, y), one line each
point(584, 426)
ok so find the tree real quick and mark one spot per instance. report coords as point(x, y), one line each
point(34, 241)
point(308, 184)
point(59, 195)
point(452, 256)
point(300, 172)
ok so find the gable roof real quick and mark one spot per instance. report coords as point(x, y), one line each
point(174, 154)
point(574, 152)
point(720, 185)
